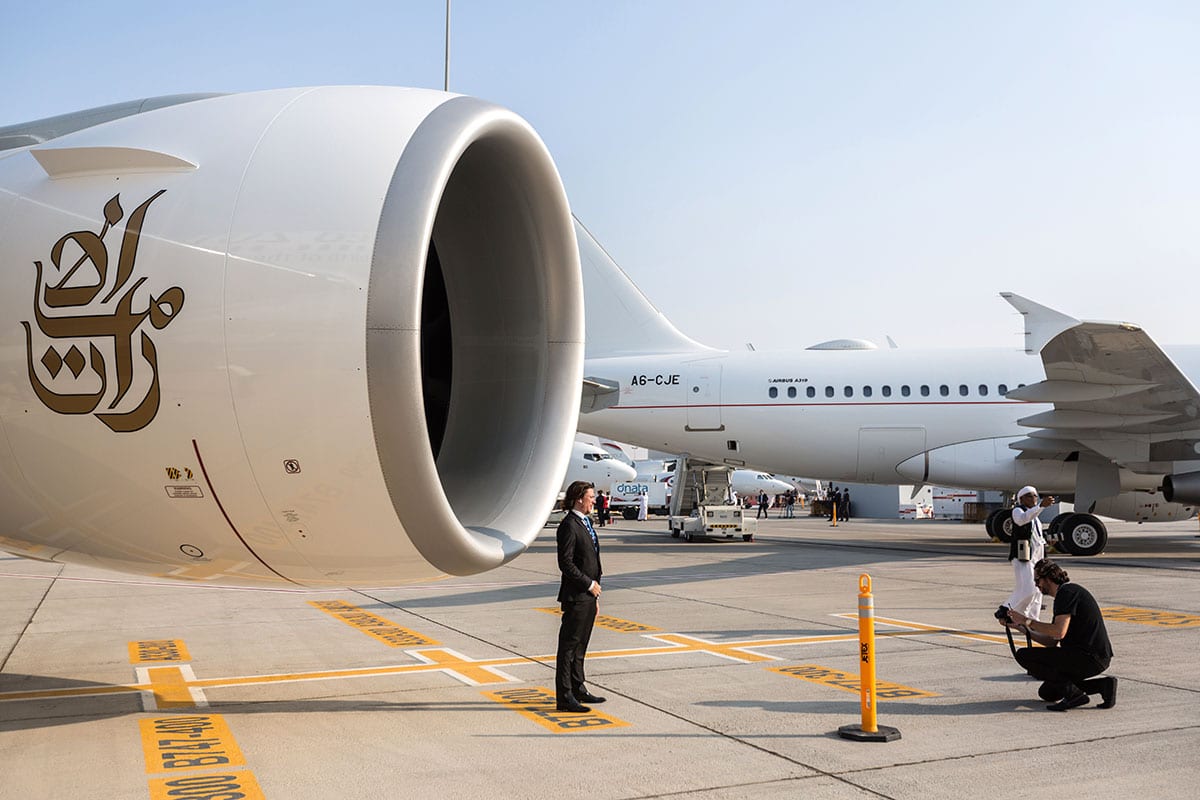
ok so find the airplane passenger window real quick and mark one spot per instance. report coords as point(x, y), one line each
point(866, 391)
point(811, 391)
point(962, 390)
point(905, 391)
point(773, 392)
point(887, 391)
point(791, 391)
point(848, 391)
point(829, 391)
point(983, 390)
point(924, 390)
point(1002, 389)
point(944, 390)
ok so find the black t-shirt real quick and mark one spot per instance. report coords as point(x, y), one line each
point(1086, 631)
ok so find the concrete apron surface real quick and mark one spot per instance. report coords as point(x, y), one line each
point(728, 669)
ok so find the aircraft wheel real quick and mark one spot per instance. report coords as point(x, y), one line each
point(989, 525)
point(1083, 535)
point(1054, 532)
point(1003, 526)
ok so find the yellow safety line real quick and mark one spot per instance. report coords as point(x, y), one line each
point(475, 669)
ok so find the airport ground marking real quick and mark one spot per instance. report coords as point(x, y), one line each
point(670, 644)
point(734, 651)
point(157, 651)
point(460, 667)
point(848, 681)
point(911, 627)
point(201, 741)
point(187, 749)
point(170, 687)
point(373, 625)
point(538, 703)
point(240, 784)
point(612, 623)
point(1150, 616)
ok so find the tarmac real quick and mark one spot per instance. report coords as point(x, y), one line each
point(728, 668)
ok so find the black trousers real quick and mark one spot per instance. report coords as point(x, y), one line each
point(573, 636)
point(1064, 672)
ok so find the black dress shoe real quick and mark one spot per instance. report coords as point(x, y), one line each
point(587, 697)
point(1073, 701)
point(572, 706)
point(1109, 693)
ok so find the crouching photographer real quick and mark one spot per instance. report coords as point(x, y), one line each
point(1076, 643)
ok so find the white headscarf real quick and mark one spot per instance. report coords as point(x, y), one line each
point(1026, 490)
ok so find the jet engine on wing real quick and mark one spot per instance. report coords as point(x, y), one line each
point(1183, 487)
point(327, 336)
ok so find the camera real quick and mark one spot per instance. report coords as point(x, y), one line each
point(1002, 613)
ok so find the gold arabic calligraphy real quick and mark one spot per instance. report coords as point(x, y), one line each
point(118, 325)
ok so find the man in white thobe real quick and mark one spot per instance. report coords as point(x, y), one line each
point(1025, 598)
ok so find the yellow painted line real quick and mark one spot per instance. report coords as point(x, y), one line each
point(373, 625)
point(848, 682)
point(917, 627)
point(537, 703)
point(156, 651)
point(237, 784)
point(189, 742)
point(735, 651)
point(611, 623)
point(1150, 616)
point(170, 688)
point(461, 667)
point(465, 669)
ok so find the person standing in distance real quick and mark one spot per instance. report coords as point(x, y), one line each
point(1028, 547)
point(579, 594)
point(1076, 643)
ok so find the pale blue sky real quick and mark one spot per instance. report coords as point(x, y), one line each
point(771, 172)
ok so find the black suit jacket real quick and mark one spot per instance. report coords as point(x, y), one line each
point(577, 559)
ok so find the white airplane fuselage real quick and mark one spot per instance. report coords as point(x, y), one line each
point(871, 416)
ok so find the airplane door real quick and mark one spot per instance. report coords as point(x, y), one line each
point(703, 388)
point(881, 449)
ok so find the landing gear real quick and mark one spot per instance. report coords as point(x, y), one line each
point(999, 525)
point(1081, 535)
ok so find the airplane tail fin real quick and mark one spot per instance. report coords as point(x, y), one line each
point(620, 320)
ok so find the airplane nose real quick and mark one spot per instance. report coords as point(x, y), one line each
point(623, 472)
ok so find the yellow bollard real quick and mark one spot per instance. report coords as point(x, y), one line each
point(834, 516)
point(869, 730)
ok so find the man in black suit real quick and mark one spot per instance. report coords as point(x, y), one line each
point(579, 561)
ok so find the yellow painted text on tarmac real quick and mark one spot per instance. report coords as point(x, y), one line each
point(537, 703)
point(373, 625)
point(848, 681)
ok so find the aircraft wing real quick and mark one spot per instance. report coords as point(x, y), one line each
point(1119, 400)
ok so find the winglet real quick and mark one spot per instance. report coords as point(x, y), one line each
point(1041, 323)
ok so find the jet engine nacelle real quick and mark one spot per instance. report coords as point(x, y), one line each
point(992, 464)
point(1143, 507)
point(327, 336)
point(1183, 487)
point(986, 464)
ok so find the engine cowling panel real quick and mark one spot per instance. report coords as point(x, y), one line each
point(343, 348)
